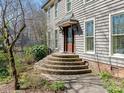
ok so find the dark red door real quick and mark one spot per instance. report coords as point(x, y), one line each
point(69, 40)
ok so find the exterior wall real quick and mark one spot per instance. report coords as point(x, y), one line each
point(100, 10)
point(51, 25)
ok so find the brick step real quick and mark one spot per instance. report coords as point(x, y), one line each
point(63, 59)
point(65, 55)
point(64, 62)
point(64, 72)
point(66, 67)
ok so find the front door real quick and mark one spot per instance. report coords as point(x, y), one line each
point(69, 40)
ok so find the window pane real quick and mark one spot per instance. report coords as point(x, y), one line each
point(49, 39)
point(56, 39)
point(118, 44)
point(69, 6)
point(90, 44)
point(68, 0)
point(56, 9)
point(70, 35)
point(89, 28)
point(118, 24)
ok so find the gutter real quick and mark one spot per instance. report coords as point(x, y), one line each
point(45, 4)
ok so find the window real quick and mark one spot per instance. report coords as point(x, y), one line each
point(56, 39)
point(48, 12)
point(117, 33)
point(89, 36)
point(49, 39)
point(68, 5)
point(56, 9)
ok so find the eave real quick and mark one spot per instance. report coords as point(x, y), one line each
point(48, 4)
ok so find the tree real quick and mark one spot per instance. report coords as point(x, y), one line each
point(12, 24)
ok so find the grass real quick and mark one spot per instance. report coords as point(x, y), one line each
point(5, 80)
point(110, 84)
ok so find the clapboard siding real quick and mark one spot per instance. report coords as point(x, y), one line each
point(99, 10)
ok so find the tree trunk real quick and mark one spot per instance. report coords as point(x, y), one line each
point(13, 67)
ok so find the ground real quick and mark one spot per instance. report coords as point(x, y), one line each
point(87, 83)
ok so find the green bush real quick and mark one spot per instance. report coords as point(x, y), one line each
point(1, 43)
point(110, 84)
point(31, 81)
point(4, 62)
point(59, 85)
point(36, 52)
point(105, 75)
point(28, 51)
point(4, 72)
point(39, 52)
point(113, 88)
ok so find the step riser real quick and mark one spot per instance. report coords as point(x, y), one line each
point(66, 73)
point(66, 68)
point(66, 56)
point(57, 63)
point(64, 59)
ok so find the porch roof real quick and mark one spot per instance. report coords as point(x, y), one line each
point(65, 23)
point(68, 20)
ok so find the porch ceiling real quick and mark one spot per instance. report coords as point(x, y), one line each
point(65, 23)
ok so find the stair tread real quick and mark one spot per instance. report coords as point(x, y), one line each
point(64, 61)
point(49, 69)
point(64, 55)
point(61, 58)
point(65, 65)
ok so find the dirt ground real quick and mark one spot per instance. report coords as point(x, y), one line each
point(8, 88)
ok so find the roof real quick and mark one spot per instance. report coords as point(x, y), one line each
point(47, 1)
point(67, 21)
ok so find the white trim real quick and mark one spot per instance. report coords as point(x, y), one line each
point(110, 35)
point(94, 51)
point(66, 7)
point(117, 56)
point(56, 8)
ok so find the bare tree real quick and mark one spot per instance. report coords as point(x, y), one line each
point(12, 24)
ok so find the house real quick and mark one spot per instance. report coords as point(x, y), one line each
point(93, 29)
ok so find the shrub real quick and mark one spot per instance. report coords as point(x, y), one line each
point(105, 75)
point(59, 85)
point(1, 43)
point(4, 62)
point(28, 51)
point(39, 52)
point(110, 84)
point(24, 80)
point(4, 72)
point(113, 88)
point(28, 56)
point(31, 81)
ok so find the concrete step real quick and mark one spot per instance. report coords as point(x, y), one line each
point(63, 59)
point(65, 67)
point(65, 55)
point(64, 72)
point(64, 62)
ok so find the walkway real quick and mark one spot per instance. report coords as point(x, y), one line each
point(86, 83)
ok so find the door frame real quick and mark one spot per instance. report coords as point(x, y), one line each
point(66, 37)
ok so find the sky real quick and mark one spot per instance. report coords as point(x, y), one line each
point(39, 3)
